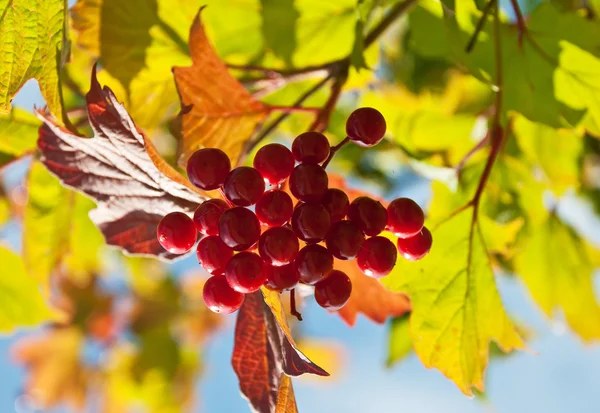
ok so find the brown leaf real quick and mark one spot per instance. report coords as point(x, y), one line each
point(218, 112)
point(262, 352)
point(120, 169)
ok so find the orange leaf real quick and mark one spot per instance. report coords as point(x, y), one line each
point(218, 112)
point(286, 401)
point(120, 169)
point(263, 352)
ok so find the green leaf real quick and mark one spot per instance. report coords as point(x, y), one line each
point(556, 151)
point(21, 302)
point(552, 78)
point(557, 268)
point(47, 223)
point(18, 134)
point(138, 43)
point(456, 308)
point(279, 20)
point(32, 45)
point(399, 342)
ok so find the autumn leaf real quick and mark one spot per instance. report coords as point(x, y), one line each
point(456, 308)
point(217, 111)
point(555, 265)
point(55, 373)
point(120, 169)
point(21, 302)
point(264, 351)
point(286, 401)
point(32, 45)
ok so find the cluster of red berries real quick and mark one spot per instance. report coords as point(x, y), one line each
point(246, 249)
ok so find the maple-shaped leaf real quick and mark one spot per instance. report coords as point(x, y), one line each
point(369, 296)
point(264, 353)
point(218, 112)
point(121, 170)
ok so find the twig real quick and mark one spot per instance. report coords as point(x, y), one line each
point(293, 310)
point(480, 24)
point(480, 145)
point(521, 25)
point(395, 12)
point(322, 120)
point(292, 109)
point(334, 149)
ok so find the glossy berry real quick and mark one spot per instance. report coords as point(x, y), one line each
point(245, 272)
point(274, 162)
point(278, 246)
point(282, 278)
point(239, 228)
point(208, 168)
point(405, 217)
point(220, 297)
point(417, 246)
point(333, 292)
point(368, 214)
point(336, 202)
point(308, 182)
point(377, 257)
point(311, 222)
point(310, 147)
point(344, 240)
point(274, 208)
point(244, 186)
point(366, 127)
point(213, 254)
point(176, 233)
point(206, 217)
point(313, 262)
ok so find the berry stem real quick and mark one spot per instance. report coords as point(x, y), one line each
point(480, 25)
point(292, 109)
point(334, 149)
point(293, 310)
point(222, 192)
point(520, 21)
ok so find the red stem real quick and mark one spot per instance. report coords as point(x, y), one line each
point(334, 149)
point(293, 310)
point(520, 20)
point(292, 109)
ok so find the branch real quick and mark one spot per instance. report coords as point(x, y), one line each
point(398, 10)
point(520, 20)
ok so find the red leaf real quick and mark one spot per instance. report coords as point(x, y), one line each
point(263, 351)
point(120, 169)
point(218, 112)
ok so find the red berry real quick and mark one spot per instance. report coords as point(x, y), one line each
point(313, 262)
point(206, 217)
point(176, 233)
point(365, 127)
point(245, 272)
point(405, 217)
point(275, 163)
point(220, 297)
point(274, 208)
point(239, 228)
point(282, 278)
point(244, 186)
point(208, 168)
point(213, 254)
point(417, 246)
point(334, 291)
point(336, 202)
point(308, 182)
point(344, 240)
point(311, 222)
point(311, 147)
point(377, 257)
point(278, 246)
point(368, 214)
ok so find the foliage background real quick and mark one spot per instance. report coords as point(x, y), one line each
point(560, 379)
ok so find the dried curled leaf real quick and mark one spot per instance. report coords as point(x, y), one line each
point(218, 111)
point(120, 169)
point(264, 353)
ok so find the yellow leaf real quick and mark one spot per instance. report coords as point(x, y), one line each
point(220, 112)
point(557, 269)
point(286, 401)
point(456, 308)
point(21, 302)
